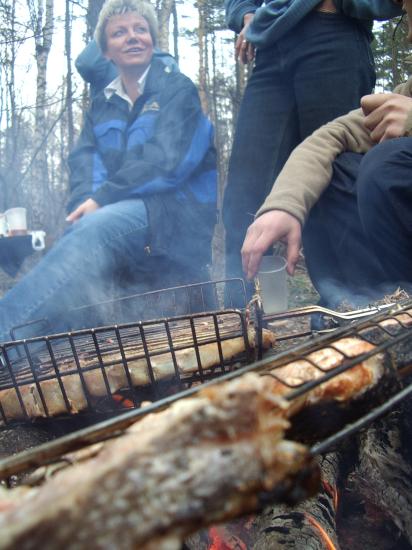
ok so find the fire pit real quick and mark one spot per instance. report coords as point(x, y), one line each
point(386, 337)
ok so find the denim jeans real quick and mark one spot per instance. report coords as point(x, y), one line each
point(317, 72)
point(358, 237)
point(78, 269)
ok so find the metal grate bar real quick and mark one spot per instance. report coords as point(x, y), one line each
point(331, 442)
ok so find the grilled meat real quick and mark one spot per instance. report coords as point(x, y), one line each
point(348, 385)
point(74, 379)
point(202, 460)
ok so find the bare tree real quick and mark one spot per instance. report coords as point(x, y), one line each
point(93, 10)
point(164, 10)
point(175, 33)
point(203, 58)
point(69, 77)
point(42, 24)
point(11, 142)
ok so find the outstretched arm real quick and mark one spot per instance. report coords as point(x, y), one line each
point(299, 185)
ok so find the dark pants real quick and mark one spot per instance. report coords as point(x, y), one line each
point(358, 237)
point(317, 72)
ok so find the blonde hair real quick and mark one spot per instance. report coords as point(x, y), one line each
point(119, 7)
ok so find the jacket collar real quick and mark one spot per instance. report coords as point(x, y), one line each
point(116, 87)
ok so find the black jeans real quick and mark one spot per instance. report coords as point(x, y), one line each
point(317, 72)
point(358, 237)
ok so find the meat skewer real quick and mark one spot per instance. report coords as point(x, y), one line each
point(202, 460)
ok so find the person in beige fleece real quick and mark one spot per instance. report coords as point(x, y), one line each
point(346, 191)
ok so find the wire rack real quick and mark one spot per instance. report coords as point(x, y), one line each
point(388, 334)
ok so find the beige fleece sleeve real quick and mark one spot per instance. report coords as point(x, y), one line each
point(308, 170)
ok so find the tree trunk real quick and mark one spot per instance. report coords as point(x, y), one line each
point(202, 40)
point(164, 11)
point(10, 164)
point(93, 10)
point(43, 35)
point(69, 83)
point(175, 33)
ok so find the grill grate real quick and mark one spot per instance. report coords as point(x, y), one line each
point(389, 332)
point(93, 364)
point(98, 369)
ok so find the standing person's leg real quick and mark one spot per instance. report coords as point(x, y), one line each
point(339, 257)
point(385, 206)
point(76, 270)
point(334, 68)
point(267, 112)
point(331, 60)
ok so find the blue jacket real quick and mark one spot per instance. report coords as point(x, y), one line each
point(277, 17)
point(161, 152)
point(98, 71)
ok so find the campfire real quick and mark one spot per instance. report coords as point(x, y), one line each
point(313, 396)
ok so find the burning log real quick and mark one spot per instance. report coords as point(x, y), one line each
point(310, 525)
point(383, 476)
point(203, 460)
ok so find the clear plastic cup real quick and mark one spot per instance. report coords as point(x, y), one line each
point(272, 279)
point(16, 221)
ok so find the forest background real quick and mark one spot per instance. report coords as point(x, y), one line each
point(43, 99)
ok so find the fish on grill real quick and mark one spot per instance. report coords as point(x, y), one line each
point(89, 378)
point(348, 385)
point(204, 459)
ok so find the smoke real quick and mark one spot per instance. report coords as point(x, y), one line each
point(334, 294)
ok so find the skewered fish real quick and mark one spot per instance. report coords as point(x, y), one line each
point(348, 385)
point(87, 376)
point(202, 460)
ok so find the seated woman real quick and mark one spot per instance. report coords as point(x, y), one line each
point(142, 180)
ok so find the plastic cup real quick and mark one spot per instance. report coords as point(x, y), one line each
point(3, 225)
point(273, 284)
point(16, 221)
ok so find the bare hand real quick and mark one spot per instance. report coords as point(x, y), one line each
point(245, 51)
point(264, 232)
point(85, 208)
point(386, 115)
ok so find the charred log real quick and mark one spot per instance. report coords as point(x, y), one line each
point(384, 474)
point(310, 525)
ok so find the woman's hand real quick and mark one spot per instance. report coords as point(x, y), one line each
point(265, 231)
point(85, 208)
point(245, 51)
